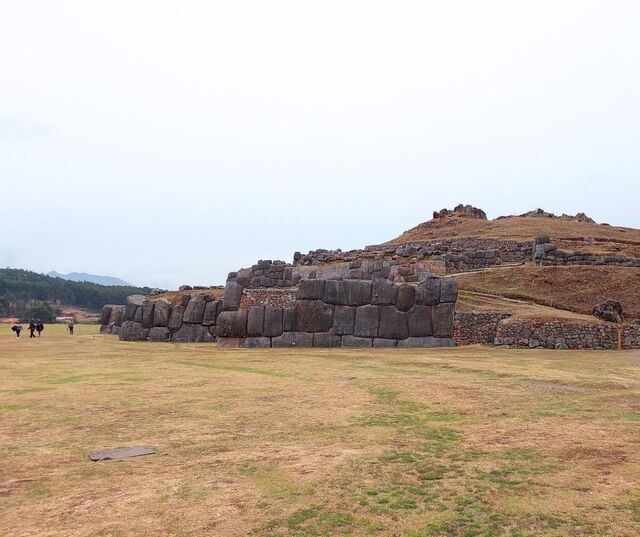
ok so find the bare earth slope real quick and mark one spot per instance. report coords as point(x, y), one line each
point(577, 288)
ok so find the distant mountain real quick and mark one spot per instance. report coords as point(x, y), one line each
point(84, 277)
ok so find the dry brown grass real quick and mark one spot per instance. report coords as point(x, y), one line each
point(577, 288)
point(469, 441)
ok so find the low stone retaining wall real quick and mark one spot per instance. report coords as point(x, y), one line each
point(477, 327)
point(546, 253)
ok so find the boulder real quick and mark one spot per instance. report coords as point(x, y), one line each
point(132, 331)
point(293, 339)
point(255, 321)
point(448, 290)
point(419, 321)
point(256, 342)
point(357, 342)
point(314, 316)
point(334, 292)
point(609, 310)
point(147, 313)
point(232, 296)
point(367, 321)
point(161, 312)
point(326, 339)
point(383, 292)
point(311, 290)
point(272, 322)
point(175, 320)
point(406, 297)
point(343, 320)
point(194, 311)
point(428, 291)
point(393, 323)
point(358, 292)
point(210, 314)
point(159, 333)
point(442, 317)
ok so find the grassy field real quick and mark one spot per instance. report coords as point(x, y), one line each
point(466, 442)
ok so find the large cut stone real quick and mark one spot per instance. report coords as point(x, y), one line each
point(406, 297)
point(314, 316)
point(334, 292)
point(393, 323)
point(255, 321)
point(358, 292)
point(311, 290)
point(415, 342)
point(289, 319)
point(428, 292)
point(367, 321)
point(195, 310)
point(210, 313)
point(385, 343)
point(106, 315)
point(175, 321)
point(239, 327)
point(360, 342)
point(293, 339)
point(147, 313)
point(193, 333)
point(132, 331)
point(117, 313)
point(133, 301)
point(161, 312)
point(383, 292)
point(448, 290)
point(256, 342)
point(224, 327)
point(159, 333)
point(137, 317)
point(232, 296)
point(272, 322)
point(419, 321)
point(343, 320)
point(442, 318)
point(326, 339)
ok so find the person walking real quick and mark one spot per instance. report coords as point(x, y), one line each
point(70, 327)
point(32, 329)
point(17, 328)
point(39, 328)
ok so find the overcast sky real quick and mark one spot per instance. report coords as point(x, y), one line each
point(172, 142)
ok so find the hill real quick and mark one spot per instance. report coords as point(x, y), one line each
point(22, 291)
point(84, 277)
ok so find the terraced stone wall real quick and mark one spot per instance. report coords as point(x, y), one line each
point(546, 253)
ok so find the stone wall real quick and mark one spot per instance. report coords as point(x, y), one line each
point(477, 327)
point(546, 253)
point(111, 319)
point(346, 313)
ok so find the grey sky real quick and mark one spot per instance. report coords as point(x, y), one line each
point(171, 142)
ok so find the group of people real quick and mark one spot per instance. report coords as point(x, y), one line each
point(37, 326)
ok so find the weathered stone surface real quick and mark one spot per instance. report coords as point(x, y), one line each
point(314, 316)
point(334, 292)
point(117, 312)
point(384, 343)
point(239, 327)
point(367, 321)
point(210, 315)
point(343, 320)
point(147, 313)
point(393, 323)
point(232, 296)
point(224, 327)
point(192, 333)
point(416, 342)
point(293, 339)
point(159, 333)
point(448, 290)
point(184, 299)
point(289, 319)
point(175, 321)
point(256, 342)
point(131, 331)
point(358, 342)
point(609, 310)
point(194, 311)
point(255, 321)
point(161, 312)
point(442, 317)
point(326, 339)
point(272, 322)
point(419, 321)
point(358, 292)
point(311, 290)
point(406, 297)
point(106, 315)
point(383, 292)
point(428, 291)
point(137, 317)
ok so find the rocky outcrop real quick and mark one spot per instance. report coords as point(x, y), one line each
point(464, 211)
point(609, 310)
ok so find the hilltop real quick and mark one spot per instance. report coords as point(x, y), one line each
point(84, 277)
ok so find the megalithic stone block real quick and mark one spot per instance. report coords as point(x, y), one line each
point(255, 321)
point(326, 339)
point(210, 313)
point(442, 318)
point(334, 292)
point(314, 316)
point(357, 342)
point(367, 321)
point(358, 292)
point(161, 312)
point(272, 322)
point(393, 323)
point(384, 292)
point(311, 290)
point(428, 291)
point(419, 321)
point(175, 320)
point(448, 290)
point(194, 311)
point(343, 320)
point(232, 296)
point(289, 319)
point(406, 297)
point(293, 339)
